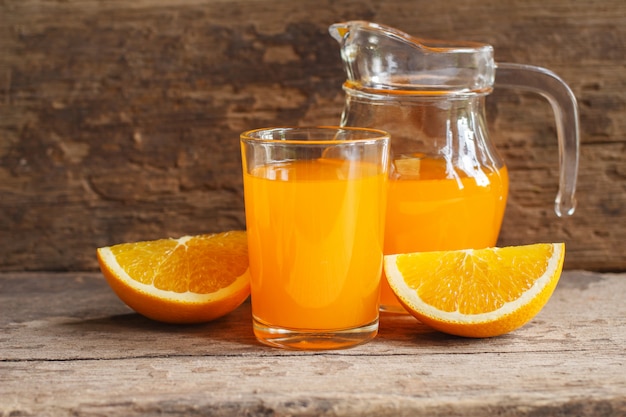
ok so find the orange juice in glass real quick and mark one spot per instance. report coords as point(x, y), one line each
point(315, 204)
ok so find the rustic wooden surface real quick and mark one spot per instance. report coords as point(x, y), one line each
point(68, 346)
point(119, 120)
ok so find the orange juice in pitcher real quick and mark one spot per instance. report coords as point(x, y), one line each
point(447, 183)
point(427, 211)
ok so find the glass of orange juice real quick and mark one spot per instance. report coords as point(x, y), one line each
point(315, 200)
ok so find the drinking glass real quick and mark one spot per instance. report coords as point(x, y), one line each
point(315, 200)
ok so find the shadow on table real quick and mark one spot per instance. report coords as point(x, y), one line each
point(405, 331)
point(232, 332)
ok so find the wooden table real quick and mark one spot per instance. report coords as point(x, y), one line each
point(68, 346)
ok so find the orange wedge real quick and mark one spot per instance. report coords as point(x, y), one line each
point(192, 279)
point(476, 292)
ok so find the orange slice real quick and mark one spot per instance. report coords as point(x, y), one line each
point(476, 292)
point(192, 279)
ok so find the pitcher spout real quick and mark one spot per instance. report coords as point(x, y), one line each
point(380, 57)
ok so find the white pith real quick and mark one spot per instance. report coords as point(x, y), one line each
point(411, 298)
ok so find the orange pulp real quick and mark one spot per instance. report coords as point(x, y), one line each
point(315, 238)
point(430, 208)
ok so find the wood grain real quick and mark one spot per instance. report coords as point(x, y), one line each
point(119, 121)
point(70, 347)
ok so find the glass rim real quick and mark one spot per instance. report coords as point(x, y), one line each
point(378, 135)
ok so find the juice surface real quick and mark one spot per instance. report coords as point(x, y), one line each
point(315, 238)
point(427, 212)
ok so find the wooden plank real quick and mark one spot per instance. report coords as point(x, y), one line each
point(70, 347)
point(119, 120)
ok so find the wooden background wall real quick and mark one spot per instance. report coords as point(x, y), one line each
point(119, 120)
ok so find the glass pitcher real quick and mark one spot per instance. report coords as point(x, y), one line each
point(448, 185)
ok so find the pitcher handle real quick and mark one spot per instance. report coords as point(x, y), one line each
point(557, 92)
